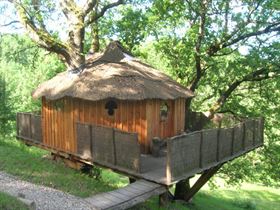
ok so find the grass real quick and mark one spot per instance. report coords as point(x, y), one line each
point(28, 164)
point(247, 197)
point(8, 202)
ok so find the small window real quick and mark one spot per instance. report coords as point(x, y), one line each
point(111, 105)
point(164, 109)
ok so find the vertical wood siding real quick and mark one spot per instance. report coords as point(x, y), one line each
point(173, 125)
point(143, 117)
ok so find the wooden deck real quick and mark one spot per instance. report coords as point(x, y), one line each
point(126, 197)
point(154, 168)
point(186, 154)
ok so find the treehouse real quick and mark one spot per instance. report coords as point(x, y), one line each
point(122, 114)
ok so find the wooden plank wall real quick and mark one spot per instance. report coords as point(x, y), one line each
point(59, 129)
point(179, 116)
point(173, 125)
point(59, 122)
point(142, 117)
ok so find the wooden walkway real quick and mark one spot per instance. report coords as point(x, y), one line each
point(126, 197)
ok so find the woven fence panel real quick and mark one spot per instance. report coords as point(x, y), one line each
point(23, 125)
point(209, 147)
point(84, 140)
point(36, 128)
point(225, 143)
point(127, 150)
point(238, 138)
point(259, 128)
point(184, 154)
point(103, 144)
point(249, 134)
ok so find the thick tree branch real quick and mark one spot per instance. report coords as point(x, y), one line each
point(258, 75)
point(271, 28)
point(90, 4)
point(70, 9)
point(214, 48)
point(197, 56)
point(38, 15)
point(75, 17)
point(40, 35)
point(200, 37)
point(95, 16)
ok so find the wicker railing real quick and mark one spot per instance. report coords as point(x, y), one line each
point(195, 152)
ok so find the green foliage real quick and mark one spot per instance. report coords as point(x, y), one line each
point(8, 202)
point(165, 33)
point(130, 27)
point(245, 204)
point(23, 66)
point(92, 171)
point(5, 107)
point(173, 37)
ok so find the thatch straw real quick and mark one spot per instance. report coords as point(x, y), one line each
point(113, 74)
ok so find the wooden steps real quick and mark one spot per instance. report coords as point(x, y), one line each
point(126, 197)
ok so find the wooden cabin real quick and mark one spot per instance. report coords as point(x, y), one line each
point(116, 90)
point(109, 113)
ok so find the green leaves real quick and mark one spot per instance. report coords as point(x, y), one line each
point(22, 67)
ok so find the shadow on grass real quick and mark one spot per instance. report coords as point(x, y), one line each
point(28, 164)
point(222, 200)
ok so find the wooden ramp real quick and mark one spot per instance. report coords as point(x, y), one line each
point(126, 197)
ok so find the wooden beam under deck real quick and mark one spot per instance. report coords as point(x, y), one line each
point(202, 180)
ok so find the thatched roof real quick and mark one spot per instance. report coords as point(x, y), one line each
point(113, 74)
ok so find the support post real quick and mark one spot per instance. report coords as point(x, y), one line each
point(182, 188)
point(165, 198)
point(206, 175)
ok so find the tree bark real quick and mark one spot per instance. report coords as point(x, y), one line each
point(181, 189)
point(70, 52)
point(75, 17)
point(95, 44)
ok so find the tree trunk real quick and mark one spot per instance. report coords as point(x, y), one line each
point(95, 45)
point(76, 43)
point(181, 189)
point(165, 198)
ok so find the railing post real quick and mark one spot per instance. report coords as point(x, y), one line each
point(114, 148)
point(254, 132)
point(232, 141)
point(243, 136)
point(218, 146)
point(200, 149)
point(29, 126)
point(168, 161)
point(17, 124)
